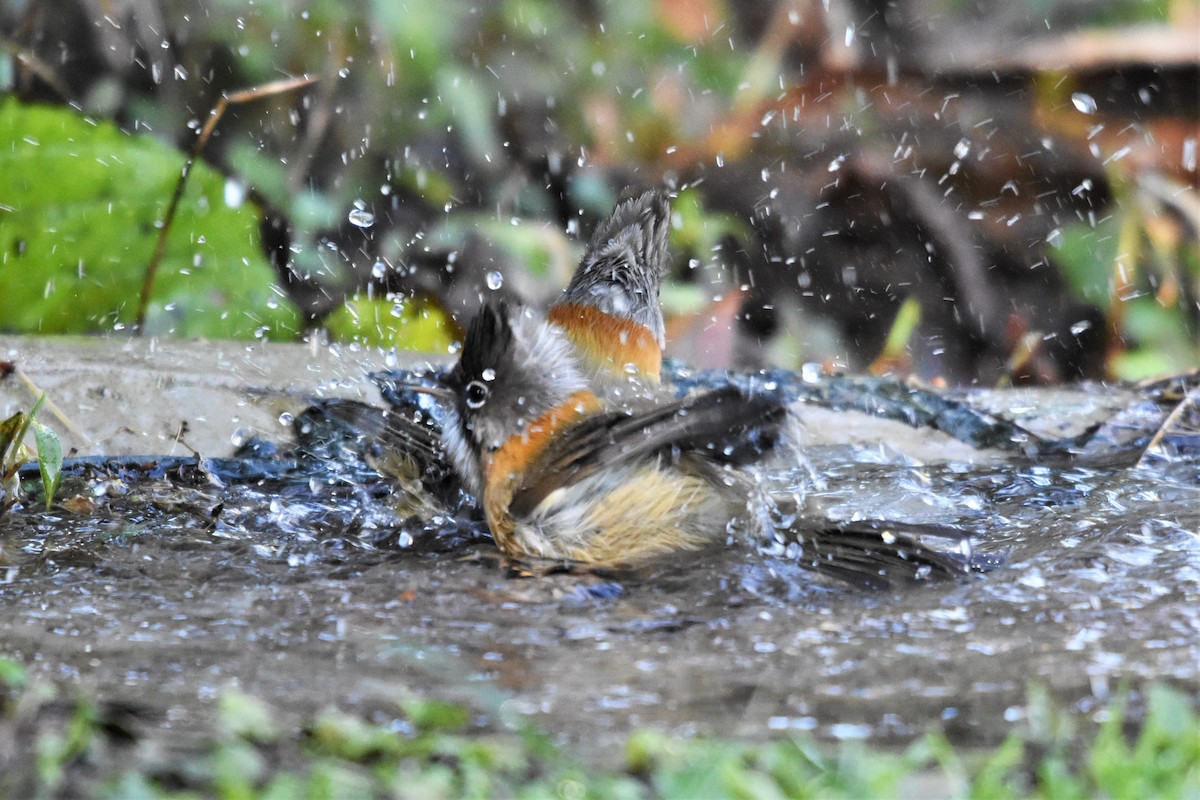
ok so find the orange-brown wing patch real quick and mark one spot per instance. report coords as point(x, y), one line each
point(609, 342)
point(502, 469)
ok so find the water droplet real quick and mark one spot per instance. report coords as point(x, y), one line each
point(378, 270)
point(1117, 156)
point(494, 280)
point(488, 374)
point(849, 35)
point(1055, 237)
point(962, 148)
point(361, 218)
point(235, 193)
point(286, 418)
point(1084, 103)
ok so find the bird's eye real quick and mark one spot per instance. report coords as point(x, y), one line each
point(476, 394)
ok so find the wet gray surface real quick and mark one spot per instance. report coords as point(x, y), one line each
point(316, 596)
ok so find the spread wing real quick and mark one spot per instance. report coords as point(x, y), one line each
point(388, 432)
point(726, 425)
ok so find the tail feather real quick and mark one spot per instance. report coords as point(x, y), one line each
point(884, 555)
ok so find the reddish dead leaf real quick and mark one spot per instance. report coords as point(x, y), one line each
point(80, 504)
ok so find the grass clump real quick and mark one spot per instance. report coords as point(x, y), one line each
point(55, 745)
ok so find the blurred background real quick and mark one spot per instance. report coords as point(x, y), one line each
point(957, 190)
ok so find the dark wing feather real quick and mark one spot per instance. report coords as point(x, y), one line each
point(883, 555)
point(389, 433)
point(726, 426)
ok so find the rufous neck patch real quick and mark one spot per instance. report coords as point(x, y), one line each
point(512, 458)
point(609, 342)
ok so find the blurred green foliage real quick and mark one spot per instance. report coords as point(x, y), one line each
point(13, 452)
point(404, 325)
point(82, 203)
point(450, 119)
point(437, 755)
point(1142, 275)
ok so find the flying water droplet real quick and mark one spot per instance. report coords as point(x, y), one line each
point(494, 280)
point(240, 436)
point(1083, 102)
point(361, 218)
point(235, 193)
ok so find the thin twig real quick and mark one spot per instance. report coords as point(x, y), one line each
point(52, 407)
point(38, 67)
point(160, 247)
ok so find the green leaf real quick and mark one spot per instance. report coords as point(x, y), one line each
point(1085, 254)
point(12, 674)
point(434, 715)
point(406, 325)
point(246, 717)
point(81, 203)
point(50, 459)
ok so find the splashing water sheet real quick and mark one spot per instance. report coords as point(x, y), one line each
point(295, 580)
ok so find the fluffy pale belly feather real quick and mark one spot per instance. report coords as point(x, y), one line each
point(627, 516)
